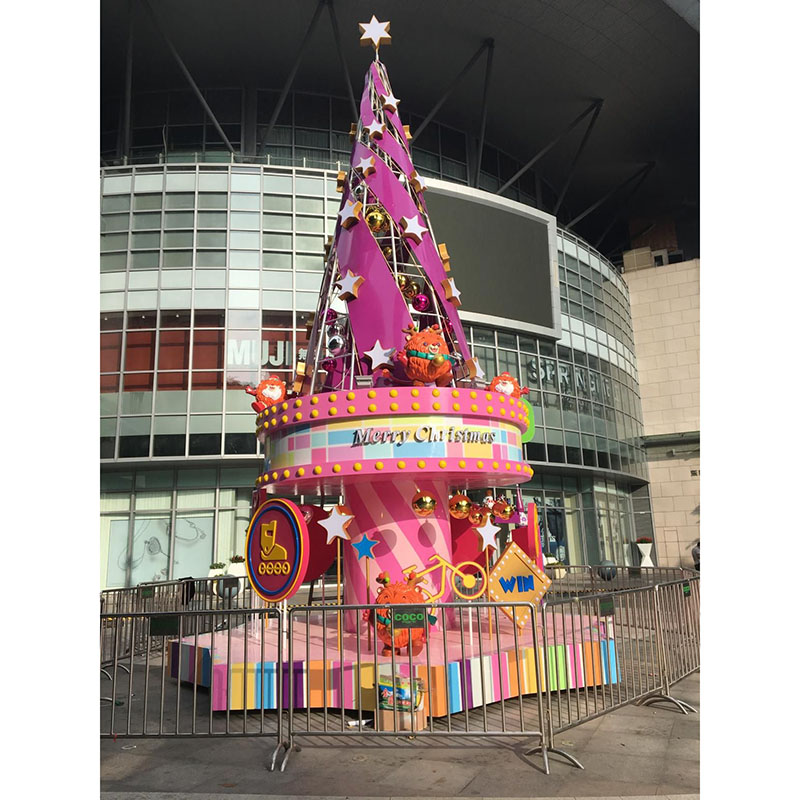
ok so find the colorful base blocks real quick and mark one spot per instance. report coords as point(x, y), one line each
point(464, 683)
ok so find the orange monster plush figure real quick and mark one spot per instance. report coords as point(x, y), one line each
point(426, 357)
point(270, 391)
point(507, 384)
point(396, 594)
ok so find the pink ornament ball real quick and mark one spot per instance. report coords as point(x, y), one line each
point(421, 303)
point(328, 364)
point(330, 316)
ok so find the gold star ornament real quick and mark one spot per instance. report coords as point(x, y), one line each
point(374, 33)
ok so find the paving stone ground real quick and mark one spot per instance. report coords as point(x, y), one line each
point(634, 752)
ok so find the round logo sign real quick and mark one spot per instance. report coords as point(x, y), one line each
point(277, 549)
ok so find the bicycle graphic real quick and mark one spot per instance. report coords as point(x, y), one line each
point(472, 587)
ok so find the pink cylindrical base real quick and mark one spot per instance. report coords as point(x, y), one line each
point(383, 512)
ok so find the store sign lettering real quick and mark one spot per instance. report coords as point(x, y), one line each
point(424, 433)
point(251, 353)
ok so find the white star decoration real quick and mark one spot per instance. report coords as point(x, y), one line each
point(379, 354)
point(412, 229)
point(474, 369)
point(336, 523)
point(374, 33)
point(366, 166)
point(348, 215)
point(375, 129)
point(451, 292)
point(390, 102)
point(418, 182)
point(488, 532)
point(350, 284)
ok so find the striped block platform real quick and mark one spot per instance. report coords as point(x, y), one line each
point(462, 684)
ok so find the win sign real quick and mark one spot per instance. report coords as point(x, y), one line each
point(522, 583)
point(515, 577)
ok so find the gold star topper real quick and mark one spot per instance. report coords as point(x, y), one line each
point(375, 33)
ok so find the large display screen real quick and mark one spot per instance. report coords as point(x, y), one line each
point(500, 259)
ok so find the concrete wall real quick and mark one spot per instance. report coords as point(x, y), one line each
point(665, 307)
point(675, 498)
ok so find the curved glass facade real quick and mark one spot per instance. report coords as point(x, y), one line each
point(208, 275)
point(310, 131)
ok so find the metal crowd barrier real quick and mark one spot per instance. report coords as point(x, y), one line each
point(470, 632)
point(677, 606)
point(578, 657)
point(187, 594)
point(174, 689)
point(571, 579)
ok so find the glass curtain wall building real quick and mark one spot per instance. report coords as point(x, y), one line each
point(209, 273)
point(310, 131)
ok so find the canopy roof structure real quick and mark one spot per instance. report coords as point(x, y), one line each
point(515, 75)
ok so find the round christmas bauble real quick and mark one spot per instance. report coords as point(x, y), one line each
point(402, 281)
point(460, 506)
point(502, 510)
point(477, 515)
point(330, 316)
point(421, 302)
point(336, 345)
point(607, 570)
point(328, 364)
point(376, 219)
point(388, 253)
point(438, 360)
point(423, 504)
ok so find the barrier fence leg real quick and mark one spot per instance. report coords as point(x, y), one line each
point(546, 718)
point(662, 693)
point(288, 743)
point(278, 691)
point(279, 673)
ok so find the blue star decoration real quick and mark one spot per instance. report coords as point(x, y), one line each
point(364, 547)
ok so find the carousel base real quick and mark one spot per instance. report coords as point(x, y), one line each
point(480, 666)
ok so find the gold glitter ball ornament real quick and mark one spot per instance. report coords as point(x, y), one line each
point(460, 506)
point(423, 504)
point(478, 515)
point(502, 510)
point(411, 289)
point(376, 219)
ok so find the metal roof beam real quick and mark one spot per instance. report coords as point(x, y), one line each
point(290, 79)
point(187, 75)
point(552, 144)
point(337, 39)
point(642, 171)
point(484, 45)
point(574, 164)
point(484, 108)
point(126, 109)
point(623, 203)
